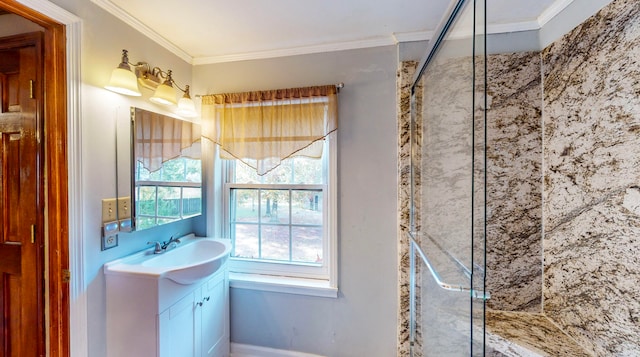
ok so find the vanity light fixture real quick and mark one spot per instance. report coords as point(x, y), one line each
point(125, 81)
point(186, 107)
point(165, 94)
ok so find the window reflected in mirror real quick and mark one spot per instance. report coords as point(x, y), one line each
point(167, 169)
point(168, 194)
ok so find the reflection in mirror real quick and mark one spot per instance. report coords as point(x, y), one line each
point(167, 169)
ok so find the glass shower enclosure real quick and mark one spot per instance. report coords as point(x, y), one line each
point(448, 135)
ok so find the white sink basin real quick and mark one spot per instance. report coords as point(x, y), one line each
point(192, 260)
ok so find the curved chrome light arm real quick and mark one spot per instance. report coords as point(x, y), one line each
point(148, 74)
point(154, 78)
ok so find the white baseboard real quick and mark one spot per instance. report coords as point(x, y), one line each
point(240, 350)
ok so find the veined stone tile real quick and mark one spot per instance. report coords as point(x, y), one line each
point(528, 334)
point(514, 182)
point(591, 145)
point(591, 185)
point(591, 277)
point(591, 109)
point(446, 162)
point(405, 76)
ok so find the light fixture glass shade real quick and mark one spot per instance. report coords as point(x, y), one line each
point(186, 108)
point(165, 94)
point(123, 81)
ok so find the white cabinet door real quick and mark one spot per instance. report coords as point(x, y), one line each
point(213, 321)
point(197, 325)
point(178, 329)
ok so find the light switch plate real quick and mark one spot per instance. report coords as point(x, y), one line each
point(124, 208)
point(109, 210)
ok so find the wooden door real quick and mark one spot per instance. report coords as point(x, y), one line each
point(21, 197)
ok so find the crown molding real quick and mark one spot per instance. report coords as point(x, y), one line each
point(301, 50)
point(552, 11)
point(513, 27)
point(393, 39)
point(413, 36)
point(533, 25)
point(144, 29)
point(52, 10)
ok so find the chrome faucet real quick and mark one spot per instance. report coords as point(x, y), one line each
point(162, 247)
point(171, 243)
point(158, 249)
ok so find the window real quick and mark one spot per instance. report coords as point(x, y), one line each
point(168, 194)
point(281, 213)
point(282, 223)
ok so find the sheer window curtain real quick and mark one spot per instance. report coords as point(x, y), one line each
point(160, 138)
point(263, 128)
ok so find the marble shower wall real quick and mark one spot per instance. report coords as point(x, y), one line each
point(514, 176)
point(404, 82)
point(446, 165)
point(514, 182)
point(592, 181)
point(446, 181)
point(514, 179)
point(563, 153)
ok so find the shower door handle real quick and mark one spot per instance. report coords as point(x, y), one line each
point(476, 294)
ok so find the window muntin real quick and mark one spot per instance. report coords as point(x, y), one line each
point(294, 170)
point(284, 224)
point(169, 194)
point(293, 238)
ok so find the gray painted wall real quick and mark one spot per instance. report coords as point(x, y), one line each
point(103, 38)
point(412, 51)
point(362, 320)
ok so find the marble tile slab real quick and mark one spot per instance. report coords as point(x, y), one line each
point(592, 277)
point(514, 177)
point(404, 82)
point(514, 182)
point(591, 192)
point(447, 156)
point(592, 170)
point(529, 334)
point(498, 346)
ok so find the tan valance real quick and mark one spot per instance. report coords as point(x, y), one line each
point(270, 126)
point(160, 138)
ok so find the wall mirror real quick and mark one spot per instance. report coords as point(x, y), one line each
point(164, 170)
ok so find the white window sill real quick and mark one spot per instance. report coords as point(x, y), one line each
point(283, 284)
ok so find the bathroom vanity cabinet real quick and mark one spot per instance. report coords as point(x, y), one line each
point(164, 319)
point(194, 325)
point(150, 314)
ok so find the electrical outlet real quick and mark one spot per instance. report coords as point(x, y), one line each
point(124, 208)
point(109, 210)
point(109, 242)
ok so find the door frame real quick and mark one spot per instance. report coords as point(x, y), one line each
point(66, 293)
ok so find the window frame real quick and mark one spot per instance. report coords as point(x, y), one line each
point(139, 184)
point(181, 185)
point(285, 273)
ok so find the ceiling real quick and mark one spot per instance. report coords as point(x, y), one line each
point(210, 31)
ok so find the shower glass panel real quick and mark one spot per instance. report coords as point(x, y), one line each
point(448, 188)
